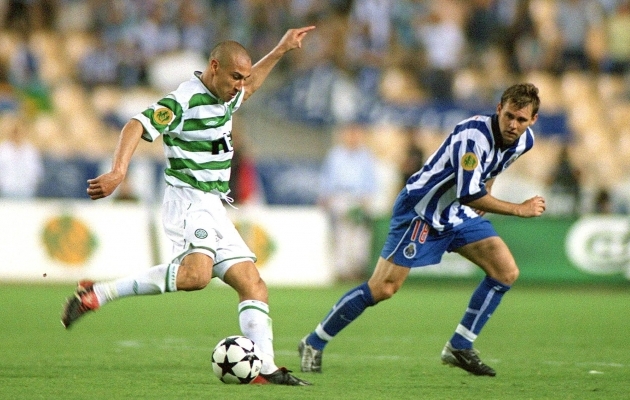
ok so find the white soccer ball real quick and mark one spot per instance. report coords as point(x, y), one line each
point(236, 359)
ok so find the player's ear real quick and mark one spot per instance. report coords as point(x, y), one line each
point(534, 119)
point(214, 65)
point(499, 108)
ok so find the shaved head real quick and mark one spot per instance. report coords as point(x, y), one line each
point(226, 52)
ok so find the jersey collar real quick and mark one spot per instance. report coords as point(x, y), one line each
point(198, 76)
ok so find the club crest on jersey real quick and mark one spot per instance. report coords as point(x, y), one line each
point(410, 250)
point(201, 233)
point(162, 116)
point(469, 161)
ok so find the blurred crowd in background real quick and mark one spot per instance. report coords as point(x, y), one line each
point(72, 72)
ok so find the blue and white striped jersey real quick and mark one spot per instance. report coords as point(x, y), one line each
point(457, 171)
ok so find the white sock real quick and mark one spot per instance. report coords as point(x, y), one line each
point(155, 280)
point(253, 318)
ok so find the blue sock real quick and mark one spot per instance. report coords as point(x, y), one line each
point(346, 310)
point(483, 302)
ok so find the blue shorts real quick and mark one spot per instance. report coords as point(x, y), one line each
point(417, 244)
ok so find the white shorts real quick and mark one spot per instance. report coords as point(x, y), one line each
point(197, 222)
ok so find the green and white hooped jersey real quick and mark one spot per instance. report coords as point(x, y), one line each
point(197, 134)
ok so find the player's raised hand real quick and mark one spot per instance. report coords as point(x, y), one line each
point(293, 38)
point(103, 185)
point(533, 207)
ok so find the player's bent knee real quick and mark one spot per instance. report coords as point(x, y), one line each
point(513, 276)
point(192, 277)
point(507, 277)
point(383, 291)
point(197, 282)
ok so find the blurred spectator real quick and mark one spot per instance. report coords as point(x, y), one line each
point(115, 24)
point(245, 183)
point(115, 21)
point(348, 183)
point(329, 42)
point(565, 186)
point(157, 33)
point(196, 27)
point(21, 166)
point(483, 28)
point(368, 41)
point(268, 19)
point(617, 59)
point(131, 70)
point(603, 202)
point(414, 159)
point(8, 98)
point(521, 42)
point(406, 16)
point(99, 65)
point(35, 14)
point(303, 11)
point(444, 44)
point(25, 74)
point(576, 20)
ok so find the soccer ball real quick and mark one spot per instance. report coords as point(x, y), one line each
point(236, 359)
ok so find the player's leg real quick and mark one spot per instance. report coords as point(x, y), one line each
point(194, 237)
point(253, 308)
point(385, 281)
point(235, 266)
point(410, 242)
point(193, 273)
point(494, 257)
point(254, 320)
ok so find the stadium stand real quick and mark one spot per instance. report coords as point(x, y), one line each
point(75, 115)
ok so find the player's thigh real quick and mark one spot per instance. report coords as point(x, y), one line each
point(493, 256)
point(386, 279)
point(245, 279)
point(190, 223)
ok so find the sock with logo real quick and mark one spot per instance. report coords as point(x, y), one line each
point(346, 310)
point(485, 299)
point(155, 280)
point(254, 321)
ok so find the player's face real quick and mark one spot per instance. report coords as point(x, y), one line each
point(229, 79)
point(513, 121)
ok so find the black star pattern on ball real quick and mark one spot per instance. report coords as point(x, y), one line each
point(226, 366)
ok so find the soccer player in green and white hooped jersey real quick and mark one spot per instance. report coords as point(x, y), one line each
point(197, 127)
point(195, 122)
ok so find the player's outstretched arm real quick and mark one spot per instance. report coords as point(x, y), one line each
point(533, 207)
point(292, 39)
point(105, 184)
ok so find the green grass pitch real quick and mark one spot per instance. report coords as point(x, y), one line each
point(545, 343)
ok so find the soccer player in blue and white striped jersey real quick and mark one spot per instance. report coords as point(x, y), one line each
point(195, 121)
point(440, 210)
